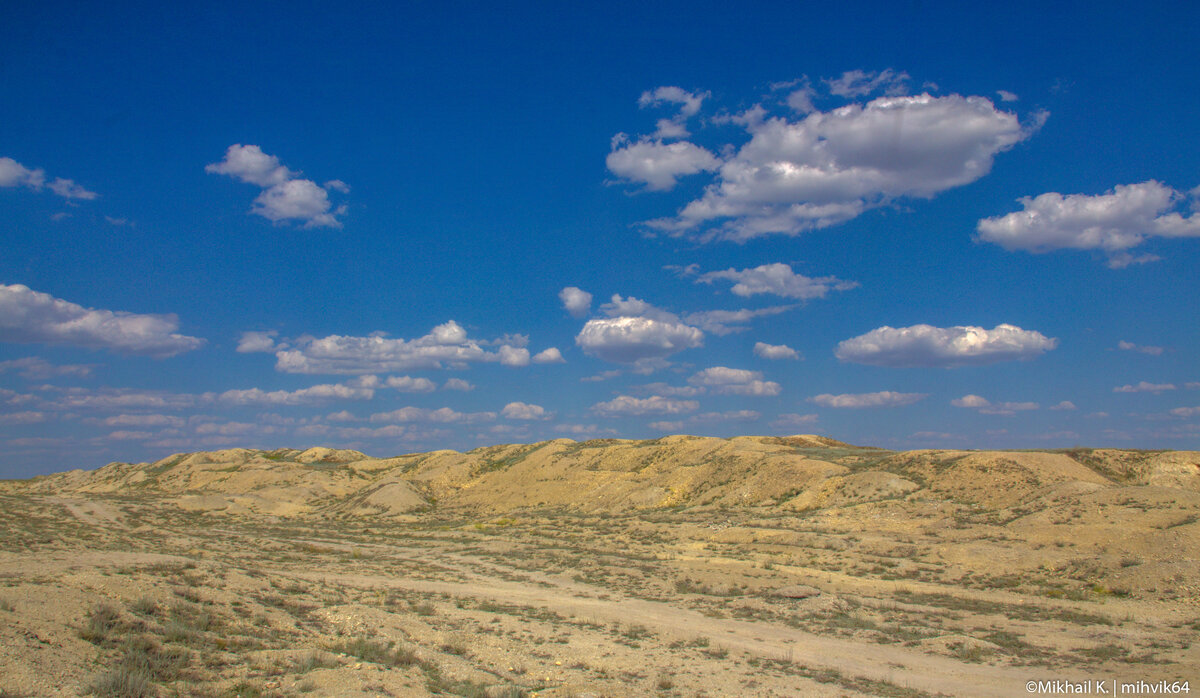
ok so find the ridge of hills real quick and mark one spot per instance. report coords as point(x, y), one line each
point(684, 565)
point(792, 474)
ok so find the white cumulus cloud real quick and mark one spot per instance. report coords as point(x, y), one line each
point(656, 164)
point(408, 384)
point(1144, 387)
point(735, 381)
point(575, 300)
point(28, 316)
point(37, 368)
point(549, 356)
point(777, 279)
point(446, 344)
point(775, 351)
point(303, 396)
point(884, 398)
point(522, 410)
point(636, 331)
point(926, 345)
point(985, 406)
point(655, 404)
point(444, 415)
point(251, 342)
point(1141, 349)
point(826, 167)
point(284, 195)
point(458, 384)
point(793, 420)
point(1113, 222)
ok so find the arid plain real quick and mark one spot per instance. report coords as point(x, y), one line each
point(683, 566)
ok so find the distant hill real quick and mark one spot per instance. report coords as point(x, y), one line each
point(793, 473)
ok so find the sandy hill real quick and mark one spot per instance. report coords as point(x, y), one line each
point(794, 473)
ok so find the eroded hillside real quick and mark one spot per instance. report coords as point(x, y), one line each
point(680, 566)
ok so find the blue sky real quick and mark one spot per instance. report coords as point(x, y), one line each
point(440, 226)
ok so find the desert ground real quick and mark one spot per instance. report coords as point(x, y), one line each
point(683, 566)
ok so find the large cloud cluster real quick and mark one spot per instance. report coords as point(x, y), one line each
point(826, 167)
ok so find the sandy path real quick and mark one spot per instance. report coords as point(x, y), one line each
point(90, 512)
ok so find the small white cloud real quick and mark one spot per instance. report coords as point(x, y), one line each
point(602, 376)
point(675, 127)
point(513, 356)
point(122, 435)
point(1064, 405)
point(775, 351)
point(885, 398)
point(304, 396)
point(974, 401)
point(636, 331)
point(250, 164)
point(549, 356)
point(251, 342)
point(443, 415)
point(298, 199)
point(28, 316)
point(858, 83)
point(730, 416)
point(447, 343)
point(341, 416)
point(28, 417)
point(458, 384)
point(723, 322)
point(1006, 96)
point(36, 368)
point(68, 189)
point(582, 429)
point(13, 174)
point(777, 279)
point(735, 381)
point(123, 399)
point(1186, 411)
point(666, 426)
point(408, 384)
point(1113, 222)
point(576, 301)
point(656, 164)
point(792, 421)
point(985, 406)
point(1144, 387)
point(521, 410)
point(284, 196)
point(668, 390)
point(655, 404)
point(142, 420)
point(801, 100)
point(925, 345)
point(1141, 349)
